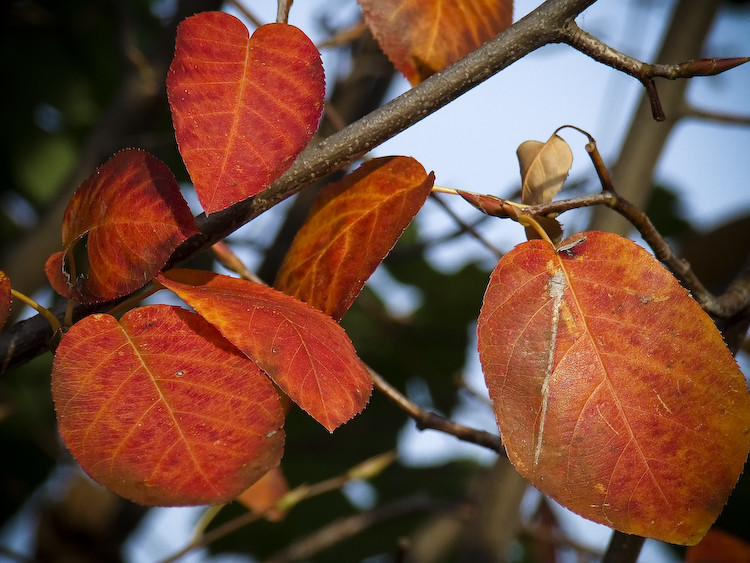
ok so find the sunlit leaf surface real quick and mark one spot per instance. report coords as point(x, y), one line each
point(306, 353)
point(352, 226)
point(242, 107)
point(162, 410)
point(614, 392)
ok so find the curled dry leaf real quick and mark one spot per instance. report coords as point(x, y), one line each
point(162, 410)
point(242, 107)
point(303, 350)
point(544, 168)
point(422, 37)
point(352, 226)
point(119, 229)
point(614, 392)
point(6, 298)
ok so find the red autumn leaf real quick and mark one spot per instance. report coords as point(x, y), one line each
point(6, 298)
point(306, 353)
point(614, 392)
point(162, 410)
point(352, 226)
point(243, 107)
point(119, 229)
point(422, 37)
point(719, 547)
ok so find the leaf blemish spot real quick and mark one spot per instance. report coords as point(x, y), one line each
point(556, 289)
point(567, 249)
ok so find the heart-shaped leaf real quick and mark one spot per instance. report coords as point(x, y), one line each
point(422, 37)
point(352, 226)
point(243, 107)
point(614, 392)
point(162, 410)
point(306, 353)
point(119, 229)
point(6, 298)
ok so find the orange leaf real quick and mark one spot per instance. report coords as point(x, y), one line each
point(352, 226)
point(6, 298)
point(422, 37)
point(306, 353)
point(119, 229)
point(243, 107)
point(719, 547)
point(162, 410)
point(262, 497)
point(614, 392)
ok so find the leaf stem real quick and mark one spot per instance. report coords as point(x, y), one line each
point(252, 18)
point(529, 221)
point(132, 299)
point(306, 547)
point(46, 313)
point(444, 190)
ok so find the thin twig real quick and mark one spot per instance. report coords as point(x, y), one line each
point(715, 116)
point(430, 420)
point(465, 227)
point(252, 18)
point(605, 54)
point(365, 470)
point(344, 528)
point(552, 536)
point(663, 252)
point(215, 534)
point(345, 36)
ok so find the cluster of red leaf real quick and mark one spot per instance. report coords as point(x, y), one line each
point(613, 390)
point(167, 406)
